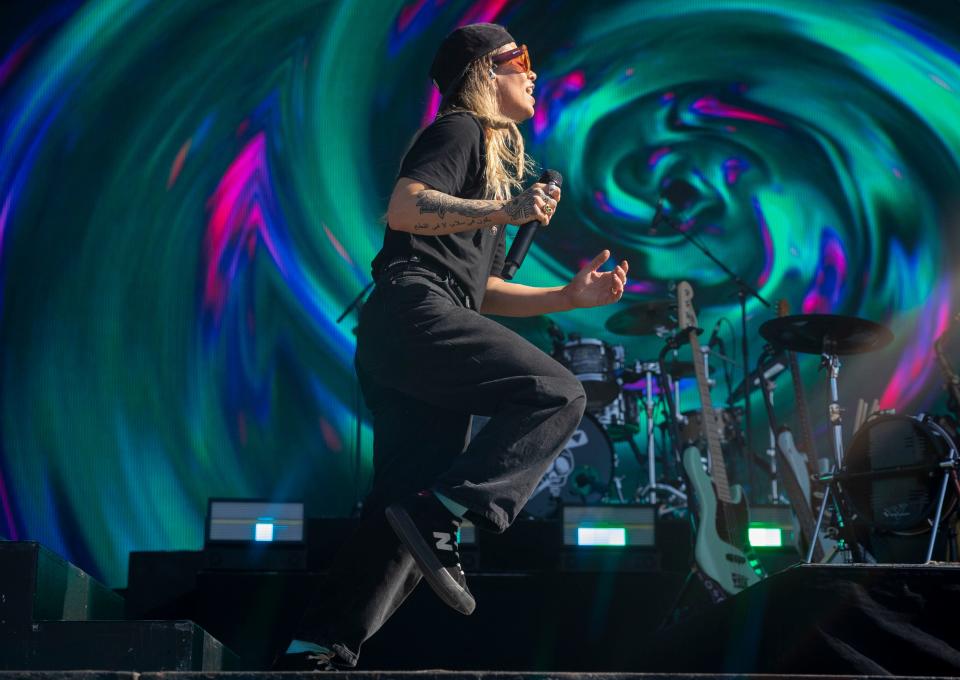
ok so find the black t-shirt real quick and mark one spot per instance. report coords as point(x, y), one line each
point(449, 157)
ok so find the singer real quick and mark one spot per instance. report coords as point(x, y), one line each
point(427, 358)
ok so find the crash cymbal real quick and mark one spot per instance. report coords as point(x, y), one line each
point(826, 334)
point(653, 317)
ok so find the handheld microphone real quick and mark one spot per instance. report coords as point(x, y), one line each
point(524, 238)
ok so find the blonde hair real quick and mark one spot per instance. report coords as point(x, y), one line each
point(507, 163)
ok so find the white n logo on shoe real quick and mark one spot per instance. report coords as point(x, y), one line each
point(443, 540)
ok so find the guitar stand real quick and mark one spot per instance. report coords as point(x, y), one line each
point(651, 489)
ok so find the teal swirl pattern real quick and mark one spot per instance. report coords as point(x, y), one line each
point(191, 194)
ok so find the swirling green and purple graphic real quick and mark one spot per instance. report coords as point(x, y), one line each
point(191, 194)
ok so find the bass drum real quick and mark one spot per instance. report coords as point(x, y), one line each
point(580, 475)
point(892, 474)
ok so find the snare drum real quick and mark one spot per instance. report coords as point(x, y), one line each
point(596, 365)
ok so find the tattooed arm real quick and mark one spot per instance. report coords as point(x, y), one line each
point(416, 208)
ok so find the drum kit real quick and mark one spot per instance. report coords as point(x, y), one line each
point(895, 475)
point(623, 397)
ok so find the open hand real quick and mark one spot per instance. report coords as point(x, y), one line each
point(590, 288)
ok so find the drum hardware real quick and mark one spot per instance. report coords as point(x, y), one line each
point(831, 336)
point(769, 366)
point(648, 369)
point(621, 417)
point(705, 358)
point(660, 369)
point(674, 368)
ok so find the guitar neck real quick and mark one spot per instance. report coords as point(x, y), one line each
point(711, 424)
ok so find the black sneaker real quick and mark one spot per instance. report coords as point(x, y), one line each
point(305, 661)
point(430, 533)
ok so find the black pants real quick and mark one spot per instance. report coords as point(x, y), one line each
point(426, 362)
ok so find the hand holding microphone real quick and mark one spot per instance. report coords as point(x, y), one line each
point(531, 209)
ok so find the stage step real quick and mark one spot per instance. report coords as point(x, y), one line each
point(112, 645)
point(37, 584)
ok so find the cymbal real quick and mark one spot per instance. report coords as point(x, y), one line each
point(826, 334)
point(644, 318)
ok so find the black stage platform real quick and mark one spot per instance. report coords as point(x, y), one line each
point(860, 620)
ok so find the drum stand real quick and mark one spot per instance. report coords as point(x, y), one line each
point(650, 369)
point(832, 362)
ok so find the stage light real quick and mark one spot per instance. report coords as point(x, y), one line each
point(238, 521)
point(609, 525)
point(765, 536)
point(612, 536)
point(263, 531)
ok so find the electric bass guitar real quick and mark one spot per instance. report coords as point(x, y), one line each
point(721, 550)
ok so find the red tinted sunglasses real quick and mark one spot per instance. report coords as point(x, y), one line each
point(518, 59)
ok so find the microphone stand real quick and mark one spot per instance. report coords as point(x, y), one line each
point(743, 291)
point(357, 304)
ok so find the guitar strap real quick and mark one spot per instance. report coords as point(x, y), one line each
point(714, 591)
